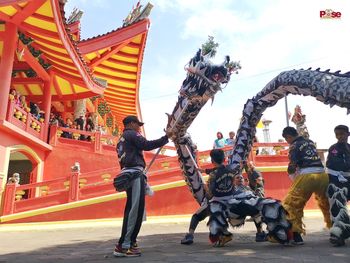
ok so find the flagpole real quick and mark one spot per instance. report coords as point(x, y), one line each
point(286, 107)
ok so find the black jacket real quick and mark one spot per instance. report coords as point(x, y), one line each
point(338, 158)
point(220, 181)
point(303, 154)
point(131, 146)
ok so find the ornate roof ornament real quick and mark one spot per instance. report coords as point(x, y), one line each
point(75, 16)
point(137, 14)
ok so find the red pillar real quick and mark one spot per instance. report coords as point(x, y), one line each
point(74, 187)
point(47, 104)
point(9, 199)
point(6, 65)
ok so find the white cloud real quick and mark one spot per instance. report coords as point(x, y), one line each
point(269, 36)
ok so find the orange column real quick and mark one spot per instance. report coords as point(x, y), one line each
point(47, 103)
point(9, 199)
point(6, 65)
point(74, 187)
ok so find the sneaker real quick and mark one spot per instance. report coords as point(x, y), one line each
point(223, 240)
point(187, 240)
point(227, 233)
point(126, 252)
point(337, 241)
point(119, 251)
point(133, 252)
point(260, 237)
point(135, 245)
point(297, 239)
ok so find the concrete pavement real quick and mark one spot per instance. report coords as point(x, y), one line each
point(93, 241)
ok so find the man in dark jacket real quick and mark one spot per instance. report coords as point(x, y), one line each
point(338, 169)
point(130, 154)
point(307, 173)
point(220, 190)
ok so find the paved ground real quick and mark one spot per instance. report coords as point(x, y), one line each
point(160, 242)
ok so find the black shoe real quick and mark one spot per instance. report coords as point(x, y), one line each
point(337, 241)
point(227, 233)
point(260, 237)
point(187, 240)
point(297, 239)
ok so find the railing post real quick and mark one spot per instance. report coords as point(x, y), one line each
point(74, 187)
point(98, 142)
point(53, 135)
point(43, 131)
point(10, 108)
point(9, 199)
point(29, 121)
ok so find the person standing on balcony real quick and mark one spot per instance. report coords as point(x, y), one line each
point(14, 179)
point(80, 122)
point(230, 141)
point(338, 169)
point(307, 173)
point(130, 155)
point(219, 142)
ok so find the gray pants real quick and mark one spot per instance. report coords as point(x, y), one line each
point(133, 213)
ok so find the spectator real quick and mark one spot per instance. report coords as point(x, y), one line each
point(80, 122)
point(219, 142)
point(90, 126)
point(23, 102)
point(14, 179)
point(53, 120)
point(230, 141)
point(34, 110)
point(68, 124)
point(60, 121)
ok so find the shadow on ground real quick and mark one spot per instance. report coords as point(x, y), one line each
point(166, 248)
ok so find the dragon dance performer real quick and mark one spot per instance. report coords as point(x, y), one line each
point(130, 154)
point(201, 213)
point(338, 169)
point(256, 180)
point(307, 172)
point(230, 204)
point(220, 190)
point(240, 188)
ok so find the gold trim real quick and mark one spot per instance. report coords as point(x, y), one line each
point(106, 198)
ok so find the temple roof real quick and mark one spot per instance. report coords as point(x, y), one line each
point(43, 28)
point(117, 57)
point(108, 64)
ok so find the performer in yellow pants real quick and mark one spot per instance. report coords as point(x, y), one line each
point(300, 192)
point(307, 172)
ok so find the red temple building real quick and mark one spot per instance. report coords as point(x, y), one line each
point(49, 77)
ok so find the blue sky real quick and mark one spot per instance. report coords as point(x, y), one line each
point(268, 37)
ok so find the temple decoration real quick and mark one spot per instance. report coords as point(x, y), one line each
point(299, 119)
point(137, 14)
point(75, 16)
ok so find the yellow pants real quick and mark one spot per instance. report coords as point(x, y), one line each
point(300, 192)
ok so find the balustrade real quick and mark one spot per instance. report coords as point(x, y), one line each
point(95, 140)
point(65, 188)
point(23, 119)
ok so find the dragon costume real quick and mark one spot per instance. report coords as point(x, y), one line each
point(203, 81)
